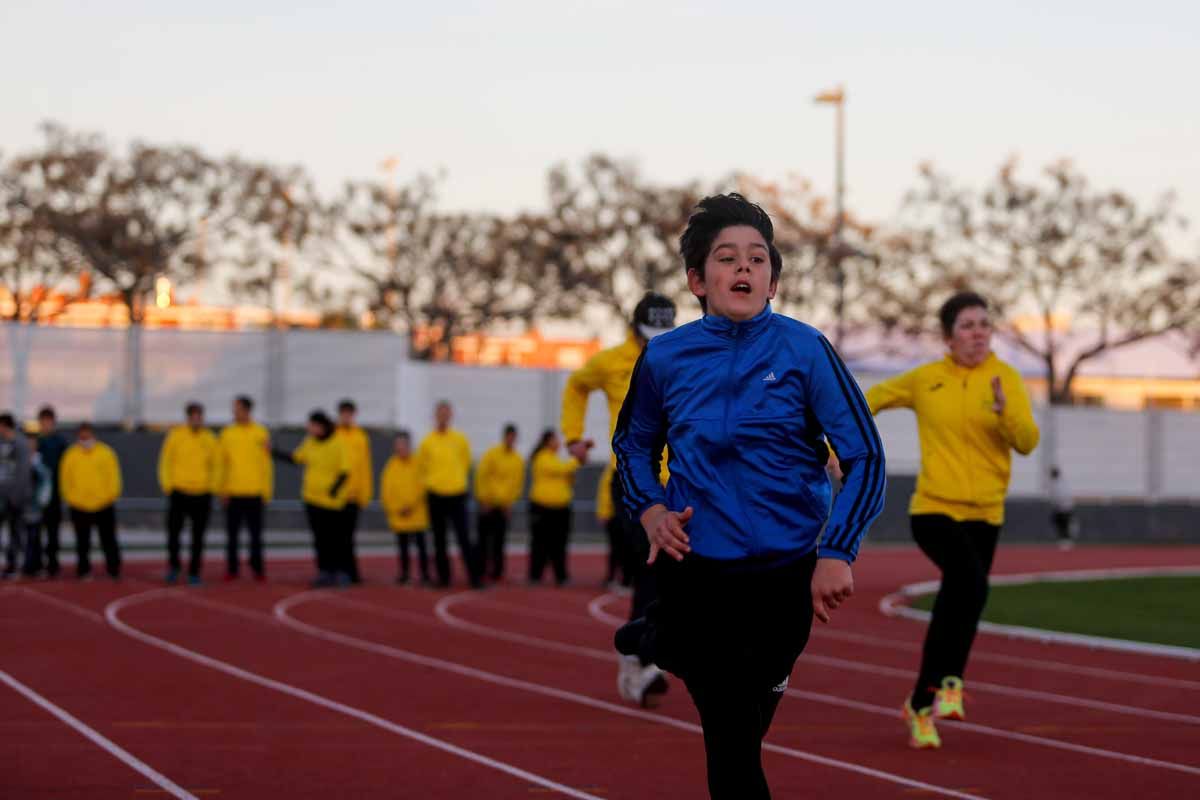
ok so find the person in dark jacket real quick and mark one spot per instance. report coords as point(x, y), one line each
point(745, 400)
point(14, 489)
point(51, 446)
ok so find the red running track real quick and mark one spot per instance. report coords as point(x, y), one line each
point(270, 691)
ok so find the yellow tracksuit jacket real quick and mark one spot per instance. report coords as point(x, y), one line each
point(500, 477)
point(89, 480)
point(966, 447)
point(553, 479)
point(188, 461)
point(323, 460)
point(402, 494)
point(445, 462)
point(358, 448)
point(609, 371)
point(245, 468)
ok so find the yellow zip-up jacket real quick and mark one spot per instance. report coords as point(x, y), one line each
point(500, 477)
point(445, 461)
point(553, 483)
point(402, 494)
point(323, 460)
point(188, 461)
point(609, 371)
point(245, 468)
point(358, 449)
point(89, 480)
point(966, 447)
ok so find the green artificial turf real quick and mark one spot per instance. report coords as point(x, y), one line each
point(1162, 610)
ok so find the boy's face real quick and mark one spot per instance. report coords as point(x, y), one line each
point(443, 414)
point(510, 439)
point(46, 422)
point(195, 418)
point(737, 274)
point(402, 447)
point(346, 417)
point(240, 412)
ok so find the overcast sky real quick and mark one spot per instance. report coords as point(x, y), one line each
point(496, 92)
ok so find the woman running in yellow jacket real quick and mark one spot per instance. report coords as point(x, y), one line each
point(402, 493)
point(550, 497)
point(972, 412)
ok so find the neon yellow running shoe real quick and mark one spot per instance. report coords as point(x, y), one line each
point(948, 701)
point(922, 735)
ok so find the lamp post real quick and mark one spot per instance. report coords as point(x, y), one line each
point(837, 98)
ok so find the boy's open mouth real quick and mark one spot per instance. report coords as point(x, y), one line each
point(741, 286)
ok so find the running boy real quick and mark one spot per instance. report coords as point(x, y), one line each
point(743, 398)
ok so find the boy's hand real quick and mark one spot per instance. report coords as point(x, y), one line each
point(664, 529)
point(579, 449)
point(832, 585)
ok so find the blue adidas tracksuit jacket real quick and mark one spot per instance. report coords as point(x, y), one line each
point(743, 408)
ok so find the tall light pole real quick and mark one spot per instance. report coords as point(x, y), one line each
point(837, 98)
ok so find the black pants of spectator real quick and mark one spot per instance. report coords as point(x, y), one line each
point(643, 579)
point(328, 531)
point(963, 551)
point(452, 510)
point(549, 530)
point(402, 544)
point(51, 522)
point(182, 508)
point(492, 526)
point(732, 631)
point(12, 517)
point(41, 542)
point(618, 546)
point(248, 511)
point(349, 552)
point(1062, 524)
point(105, 523)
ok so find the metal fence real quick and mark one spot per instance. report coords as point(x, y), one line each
point(1104, 454)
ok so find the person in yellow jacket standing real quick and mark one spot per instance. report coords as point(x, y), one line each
point(499, 481)
point(550, 494)
point(972, 412)
point(359, 489)
point(444, 459)
point(187, 475)
point(402, 494)
point(324, 489)
point(609, 371)
point(89, 477)
point(245, 480)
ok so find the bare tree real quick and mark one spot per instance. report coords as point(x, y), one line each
point(34, 262)
point(611, 235)
point(129, 218)
point(1074, 271)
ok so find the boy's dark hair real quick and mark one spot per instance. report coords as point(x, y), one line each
point(193, 408)
point(244, 401)
point(404, 434)
point(47, 412)
point(948, 313)
point(444, 404)
point(85, 427)
point(347, 405)
point(7, 421)
point(509, 428)
point(713, 215)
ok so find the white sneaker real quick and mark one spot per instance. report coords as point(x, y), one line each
point(650, 684)
point(627, 671)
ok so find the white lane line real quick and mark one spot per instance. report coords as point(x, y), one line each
point(98, 739)
point(282, 608)
point(445, 613)
point(48, 599)
point(596, 609)
point(896, 605)
point(112, 613)
point(1017, 661)
point(995, 688)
